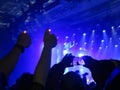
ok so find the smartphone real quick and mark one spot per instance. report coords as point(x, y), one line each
point(78, 61)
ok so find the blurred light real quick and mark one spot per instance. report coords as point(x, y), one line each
point(57, 37)
point(81, 70)
point(116, 45)
point(92, 41)
point(66, 37)
point(32, 1)
point(80, 54)
point(80, 48)
point(84, 49)
point(73, 34)
point(25, 32)
point(110, 39)
point(64, 43)
point(84, 34)
point(88, 80)
point(65, 52)
point(119, 38)
point(50, 1)
point(102, 40)
point(106, 46)
point(85, 43)
point(93, 31)
point(49, 30)
point(100, 48)
point(112, 27)
point(104, 31)
point(119, 26)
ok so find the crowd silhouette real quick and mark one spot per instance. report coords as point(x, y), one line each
point(106, 72)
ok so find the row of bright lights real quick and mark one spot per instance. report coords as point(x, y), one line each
point(84, 49)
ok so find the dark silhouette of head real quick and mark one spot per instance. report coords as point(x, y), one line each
point(71, 81)
point(23, 83)
point(113, 83)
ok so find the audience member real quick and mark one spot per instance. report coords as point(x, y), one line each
point(113, 81)
point(58, 81)
point(9, 61)
point(37, 81)
point(106, 73)
point(101, 69)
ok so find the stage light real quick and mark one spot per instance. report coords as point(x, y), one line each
point(110, 39)
point(50, 1)
point(106, 46)
point(57, 37)
point(64, 43)
point(85, 43)
point(80, 54)
point(65, 52)
point(119, 38)
point(80, 48)
point(66, 37)
point(73, 34)
point(104, 31)
point(116, 45)
point(112, 27)
point(102, 40)
point(84, 34)
point(92, 41)
point(93, 31)
point(100, 48)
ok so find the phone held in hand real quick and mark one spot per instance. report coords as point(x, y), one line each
point(78, 61)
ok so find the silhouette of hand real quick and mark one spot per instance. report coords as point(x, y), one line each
point(24, 40)
point(67, 60)
point(50, 40)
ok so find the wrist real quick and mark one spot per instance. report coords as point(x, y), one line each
point(20, 47)
point(47, 46)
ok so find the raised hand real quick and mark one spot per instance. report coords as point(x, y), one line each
point(67, 60)
point(24, 40)
point(50, 40)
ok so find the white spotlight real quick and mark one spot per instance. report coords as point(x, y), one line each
point(93, 31)
point(65, 52)
point(102, 40)
point(116, 45)
point(84, 34)
point(104, 31)
point(112, 27)
point(80, 54)
point(80, 48)
point(85, 43)
point(100, 48)
point(73, 34)
point(66, 37)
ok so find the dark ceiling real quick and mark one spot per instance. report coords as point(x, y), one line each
point(15, 14)
point(17, 11)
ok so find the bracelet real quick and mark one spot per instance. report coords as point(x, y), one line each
point(20, 47)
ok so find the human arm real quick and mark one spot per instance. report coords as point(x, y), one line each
point(57, 71)
point(100, 69)
point(9, 61)
point(41, 70)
